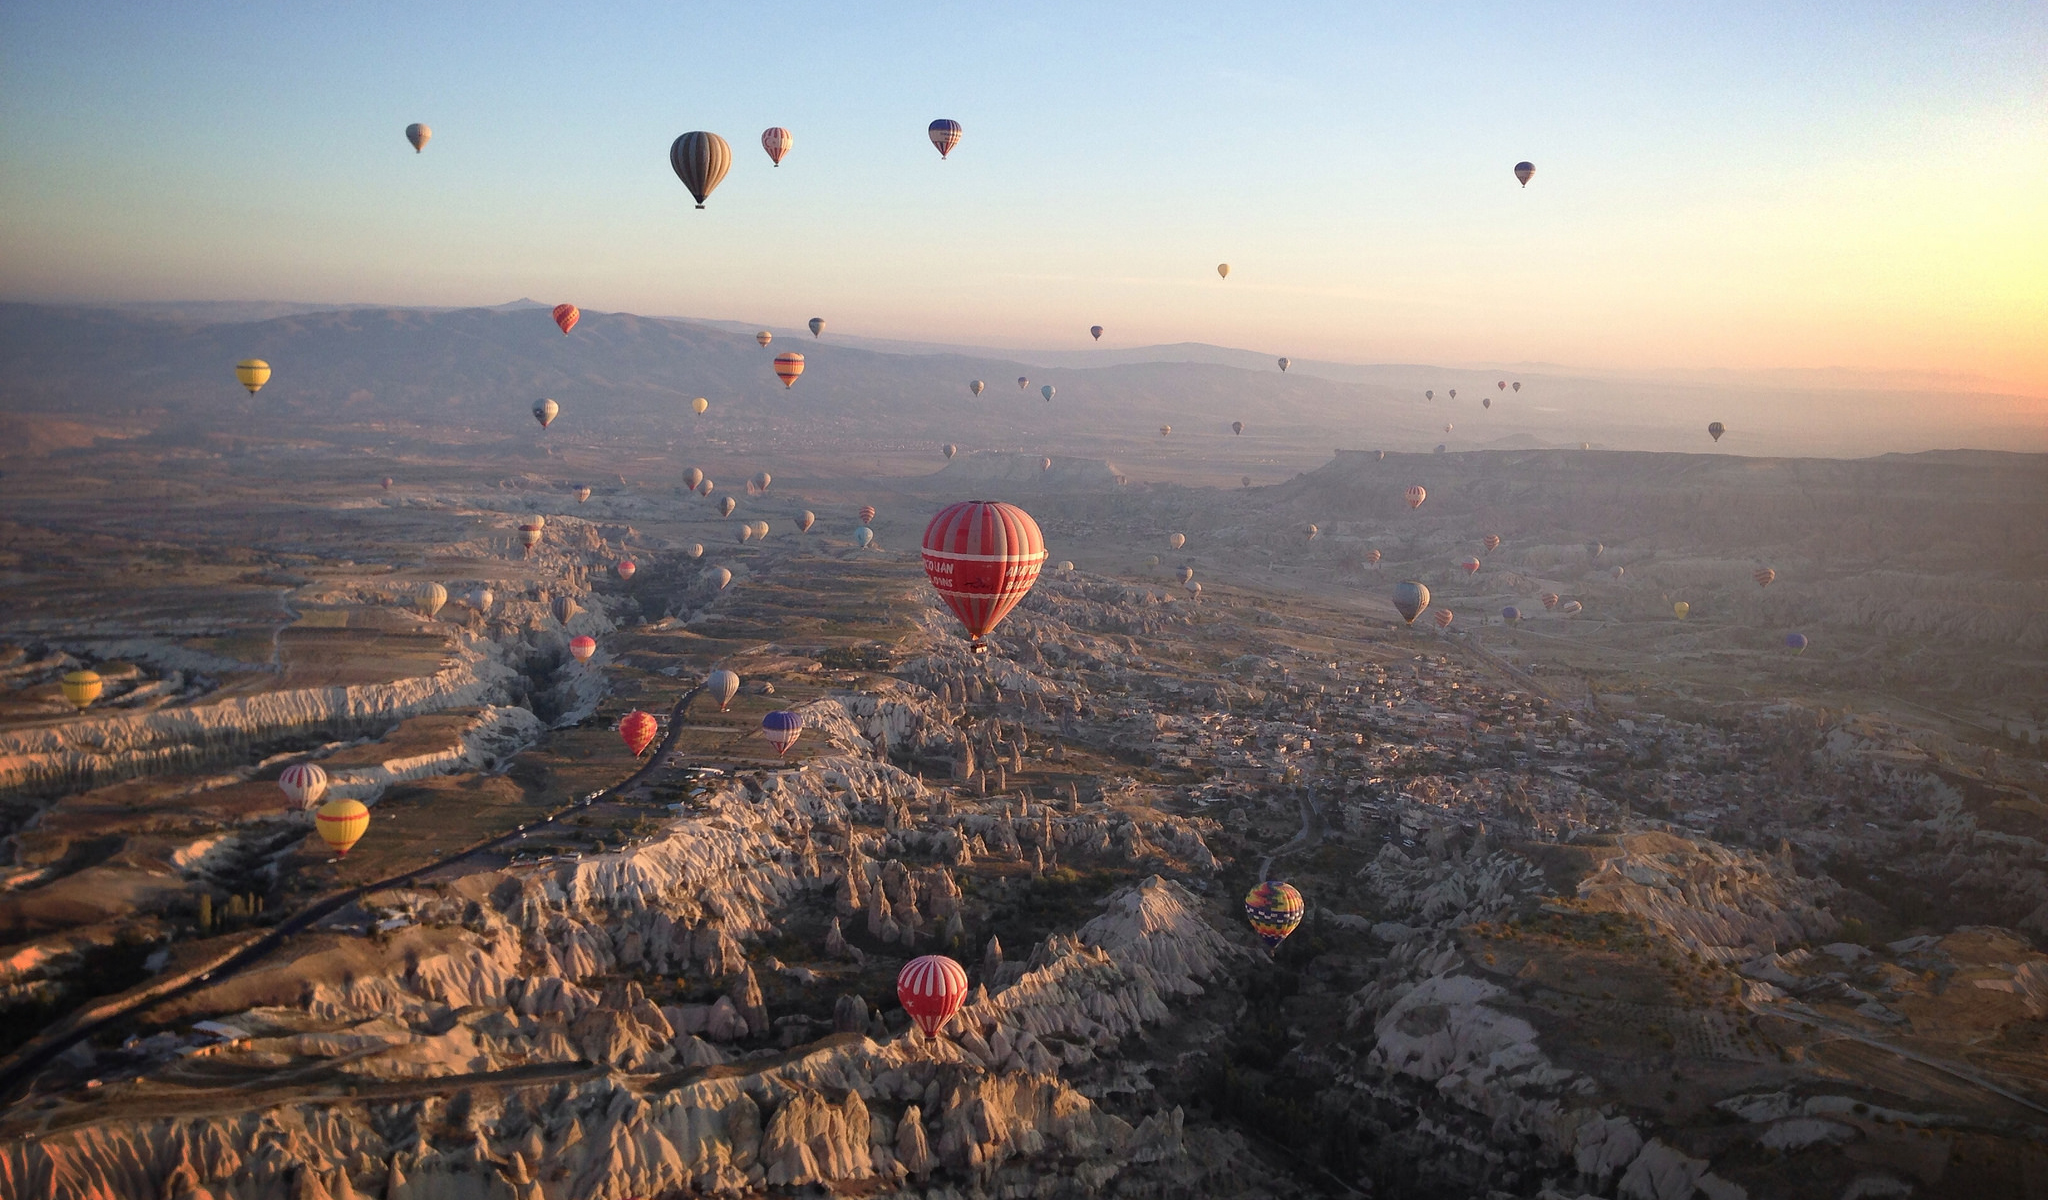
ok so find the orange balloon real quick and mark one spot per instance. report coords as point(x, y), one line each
point(638, 730)
point(788, 367)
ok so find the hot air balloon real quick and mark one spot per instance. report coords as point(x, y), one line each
point(722, 577)
point(1416, 495)
point(582, 647)
point(746, 533)
point(1454, 393)
point(949, 450)
point(1486, 402)
point(419, 135)
point(481, 599)
point(1510, 614)
point(304, 784)
point(982, 556)
point(1503, 385)
point(759, 483)
point(1166, 431)
point(1311, 532)
point(1716, 429)
point(975, 387)
point(782, 728)
point(565, 609)
point(804, 521)
point(1274, 910)
point(726, 504)
point(1428, 395)
point(1491, 542)
point(1237, 427)
point(254, 373)
point(1595, 549)
point(1471, 566)
point(1372, 557)
point(1066, 564)
point(1023, 383)
point(529, 536)
point(1045, 464)
point(1095, 331)
point(342, 823)
point(700, 160)
point(1550, 600)
point(1194, 589)
point(817, 326)
point(626, 568)
point(700, 405)
point(1444, 617)
point(722, 685)
point(387, 483)
point(1283, 365)
point(1410, 598)
point(430, 598)
point(582, 495)
point(1795, 642)
point(776, 141)
point(1447, 427)
point(764, 337)
point(695, 550)
point(638, 730)
point(1244, 481)
point(1524, 171)
point(863, 537)
point(691, 478)
point(1223, 269)
point(867, 514)
point(1048, 391)
point(1680, 609)
point(1186, 573)
point(1175, 541)
point(545, 411)
point(945, 135)
point(1620, 571)
point(1571, 606)
point(1517, 385)
point(566, 315)
point(788, 367)
point(704, 488)
point(931, 988)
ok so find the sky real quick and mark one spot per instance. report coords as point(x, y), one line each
point(1718, 186)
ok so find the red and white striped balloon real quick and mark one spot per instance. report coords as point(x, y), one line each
point(931, 989)
point(304, 783)
point(983, 556)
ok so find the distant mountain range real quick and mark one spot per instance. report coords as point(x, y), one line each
point(620, 373)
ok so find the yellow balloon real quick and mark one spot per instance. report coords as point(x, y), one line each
point(1680, 609)
point(699, 405)
point(254, 373)
point(342, 824)
point(82, 688)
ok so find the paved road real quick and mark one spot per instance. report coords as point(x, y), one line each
point(1953, 1070)
point(20, 1068)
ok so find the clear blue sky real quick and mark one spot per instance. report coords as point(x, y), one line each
point(1730, 185)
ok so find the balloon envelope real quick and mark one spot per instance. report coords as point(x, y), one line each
point(1175, 541)
point(581, 648)
point(722, 577)
point(700, 405)
point(1048, 391)
point(419, 135)
point(638, 730)
point(1283, 364)
point(949, 450)
point(692, 477)
point(1550, 600)
point(1510, 614)
point(1095, 331)
point(1416, 495)
point(982, 557)
point(722, 685)
point(976, 387)
point(804, 521)
point(342, 824)
point(817, 326)
point(776, 141)
point(1571, 606)
point(788, 367)
point(626, 568)
point(931, 990)
point(1764, 576)
point(566, 316)
point(1680, 609)
point(945, 135)
point(253, 374)
point(1795, 642)
point(545, 411)
point(1444, 617)
point(431, 597)
point(1410, 598)
point(1471, 566)
point(700, 160)
point(1525, 171)
point(1274, 911)
point(782, 729)
point(566, 608)
point(764, 337)
point(1716, 429)
point(304, 783)
point(1237, 427)
point(726, 504)
point(1491, 542)
point(867, 514)
point(863, 537)
point(1223, 269)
